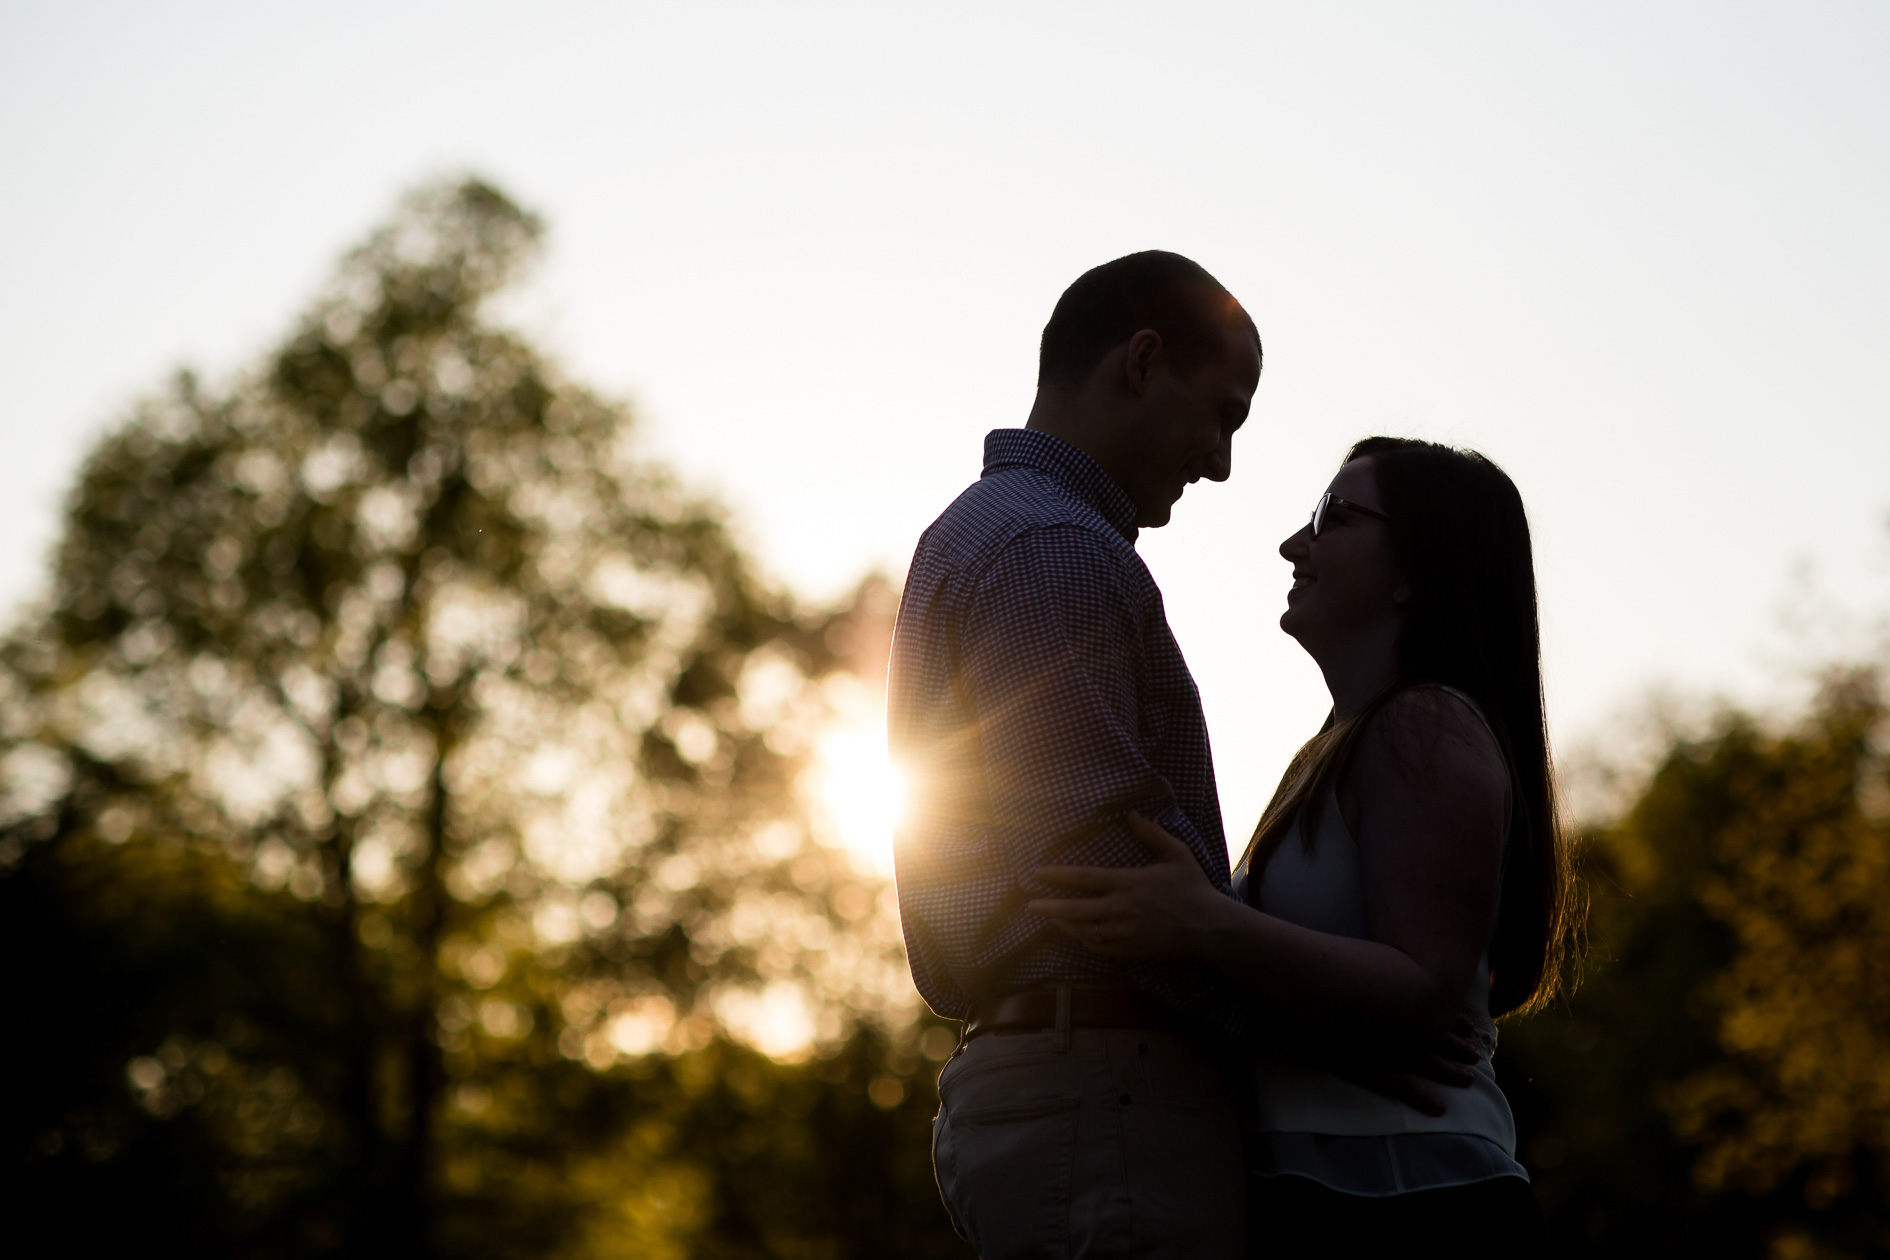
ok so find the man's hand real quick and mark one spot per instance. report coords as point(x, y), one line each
point(1447, 1062)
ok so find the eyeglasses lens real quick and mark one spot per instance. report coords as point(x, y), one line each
point(1319, 514)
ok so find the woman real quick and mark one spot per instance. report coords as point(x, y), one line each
point(1409, 875)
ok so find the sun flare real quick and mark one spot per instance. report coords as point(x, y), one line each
point(856, 785)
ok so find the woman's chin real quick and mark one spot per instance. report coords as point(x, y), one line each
point(1299, 625)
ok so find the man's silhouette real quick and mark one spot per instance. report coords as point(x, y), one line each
point(1036, 697)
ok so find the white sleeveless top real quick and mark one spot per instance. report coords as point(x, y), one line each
point(1343, 1135)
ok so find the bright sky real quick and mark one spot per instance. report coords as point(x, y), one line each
point(1635, 252)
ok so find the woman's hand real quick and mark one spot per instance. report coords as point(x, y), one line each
point(1164, 910)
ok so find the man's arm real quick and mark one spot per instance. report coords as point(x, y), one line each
point(1048, 661)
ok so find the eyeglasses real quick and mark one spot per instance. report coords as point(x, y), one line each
point(1328, 501)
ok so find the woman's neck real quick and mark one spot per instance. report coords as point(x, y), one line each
point(1356, 671)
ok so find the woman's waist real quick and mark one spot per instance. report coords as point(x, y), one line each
point(1291, 1097)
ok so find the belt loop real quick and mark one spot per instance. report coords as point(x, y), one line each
point(1063, 1019)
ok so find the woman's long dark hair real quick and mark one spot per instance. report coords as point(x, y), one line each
point(1459, 533)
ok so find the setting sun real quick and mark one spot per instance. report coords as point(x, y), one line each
point(855, 783)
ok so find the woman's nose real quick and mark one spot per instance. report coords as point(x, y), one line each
point(1297, 543)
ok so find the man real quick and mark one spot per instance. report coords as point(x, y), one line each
point(1036, 697)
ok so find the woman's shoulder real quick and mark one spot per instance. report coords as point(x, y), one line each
point(1430, 729)
point(1433, 701)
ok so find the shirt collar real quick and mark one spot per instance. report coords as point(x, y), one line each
point(1073, 468)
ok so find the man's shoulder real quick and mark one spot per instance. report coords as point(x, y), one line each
point(1009, 506)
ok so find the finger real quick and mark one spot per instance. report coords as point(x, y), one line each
point(1444, 1072)
point(1158, 840)
point(1074, 909)
point(1397, 1087)
point(1457, 1049)
point(1413, 1095)
point(1088, 878)
point(1088, 939)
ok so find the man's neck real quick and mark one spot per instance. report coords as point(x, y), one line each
point(1072, 419)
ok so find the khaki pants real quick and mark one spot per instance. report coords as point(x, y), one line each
point(1090, 1143)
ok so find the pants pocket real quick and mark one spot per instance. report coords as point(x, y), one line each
point(1187, 1178)
point(1004, 1174)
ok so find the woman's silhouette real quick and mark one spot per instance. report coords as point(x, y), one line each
point(1409, 876)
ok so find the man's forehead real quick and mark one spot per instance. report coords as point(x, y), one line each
point(1243, 354)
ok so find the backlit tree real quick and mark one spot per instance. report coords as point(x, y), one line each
point(455, 747)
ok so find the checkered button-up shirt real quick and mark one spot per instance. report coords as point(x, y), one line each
point(1036, 696)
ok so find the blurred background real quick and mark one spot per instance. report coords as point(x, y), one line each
point(460, 463)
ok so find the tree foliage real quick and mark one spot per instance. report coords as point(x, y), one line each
point(401, 852)
point(400, 796)
point(1719, 1085)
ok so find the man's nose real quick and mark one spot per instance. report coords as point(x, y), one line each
point(1219, 464)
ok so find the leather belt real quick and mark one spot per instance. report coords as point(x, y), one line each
point(1035, 1009)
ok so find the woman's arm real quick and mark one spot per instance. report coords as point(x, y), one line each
point(1427, 791)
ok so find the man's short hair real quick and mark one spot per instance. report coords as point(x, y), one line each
point(1172, 295)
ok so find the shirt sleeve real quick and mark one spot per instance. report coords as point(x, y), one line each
point(1052, 668)
point(1051, 660)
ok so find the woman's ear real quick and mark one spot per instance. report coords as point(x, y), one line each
point(1401, 594)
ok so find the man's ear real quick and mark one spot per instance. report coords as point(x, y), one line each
point(1140, 357)
point(1401, 594)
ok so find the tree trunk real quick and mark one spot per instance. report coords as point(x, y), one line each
point(414, 1182)
point(363, 1148)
